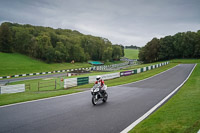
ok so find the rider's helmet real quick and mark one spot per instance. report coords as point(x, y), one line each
point(98, 78)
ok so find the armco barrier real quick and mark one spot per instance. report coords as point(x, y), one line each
point(12, 88)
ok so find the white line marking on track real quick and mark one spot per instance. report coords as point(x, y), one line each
point(41, 99)
point(126, 130)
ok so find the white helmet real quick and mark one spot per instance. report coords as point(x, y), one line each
point(98, 78)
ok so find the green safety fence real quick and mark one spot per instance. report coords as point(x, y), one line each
point(135, 71)
point(147, 68)
point(82, 80)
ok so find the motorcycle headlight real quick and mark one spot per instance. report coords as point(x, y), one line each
point(96, 90)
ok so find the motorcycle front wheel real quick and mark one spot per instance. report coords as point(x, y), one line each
point(94, 100)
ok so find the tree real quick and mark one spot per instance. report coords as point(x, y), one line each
point(149, 53)
point(77, 53)
point(197, 45)
point(117, 52)
point(5, 38)
point(142, 54)
point(166, 50)
point(44, 44)
point(61, 52)
point(22, 40)
point(107, 56)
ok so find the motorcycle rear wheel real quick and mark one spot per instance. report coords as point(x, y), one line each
point(105, 97)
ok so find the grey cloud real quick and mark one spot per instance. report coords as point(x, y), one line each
point(128, 22)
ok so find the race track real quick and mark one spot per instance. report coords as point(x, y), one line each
point(76, 114)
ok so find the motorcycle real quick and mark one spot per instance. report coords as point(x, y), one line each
point(99, 93)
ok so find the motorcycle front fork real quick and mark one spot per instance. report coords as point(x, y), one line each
point(96, 96)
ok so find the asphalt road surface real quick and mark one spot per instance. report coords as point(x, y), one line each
point(76, 114)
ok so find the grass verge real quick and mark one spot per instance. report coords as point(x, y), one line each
point(181, 113)
point(27, 96)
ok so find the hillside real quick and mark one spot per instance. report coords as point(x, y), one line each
point(14, 63)
point(56, 45)
point(131, 53)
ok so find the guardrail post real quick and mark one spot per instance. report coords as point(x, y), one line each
point(38, 86)
point(55, 84)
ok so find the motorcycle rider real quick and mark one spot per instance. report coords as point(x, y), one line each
point(100, 81)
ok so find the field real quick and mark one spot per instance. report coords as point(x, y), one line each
point(13, 63)
point(181, 113)
point(131, 53)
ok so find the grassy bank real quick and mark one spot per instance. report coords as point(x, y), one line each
point(13, 63)
point(29, 95)
point(131, 53)
point(181, 113)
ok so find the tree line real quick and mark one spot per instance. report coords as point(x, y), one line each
point(56, 45)
point(180, 45)
point(132, 47)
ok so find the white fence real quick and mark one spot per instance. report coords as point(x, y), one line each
point(92, 79)
point(110, 76)
point(12, 88)
point(71, 82)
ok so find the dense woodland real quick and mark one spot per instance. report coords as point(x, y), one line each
point(56, 45)
point(180, 45)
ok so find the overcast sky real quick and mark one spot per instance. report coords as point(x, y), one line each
point(126, 22)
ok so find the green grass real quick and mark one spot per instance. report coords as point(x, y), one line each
point(13, 63)
point(33, 94)
point(114, 62)
point(49, 82)
point(186, 61)
point(131, 53)
point(181, 113)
